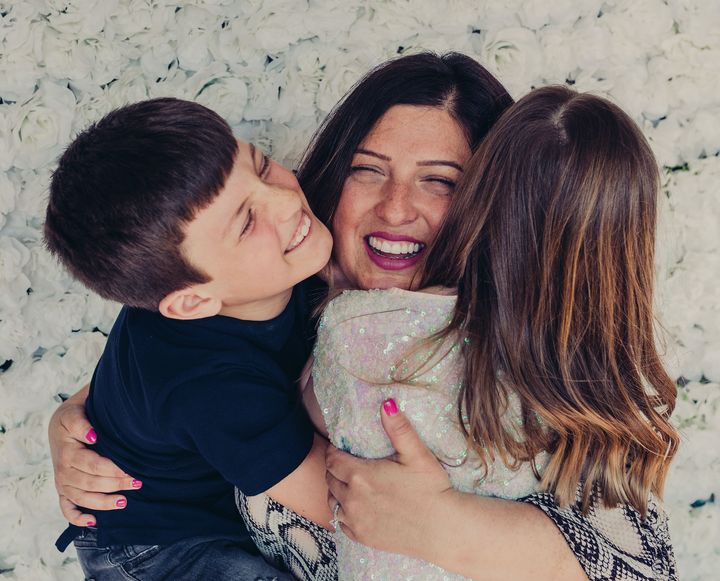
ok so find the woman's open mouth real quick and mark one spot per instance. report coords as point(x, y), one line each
point(393, 252)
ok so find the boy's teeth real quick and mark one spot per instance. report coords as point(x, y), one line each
point(393, 247)
point(302, 232)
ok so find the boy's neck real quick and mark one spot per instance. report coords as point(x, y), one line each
point(261, 310)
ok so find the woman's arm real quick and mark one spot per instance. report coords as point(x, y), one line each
point(406, 505)
point(82, 477)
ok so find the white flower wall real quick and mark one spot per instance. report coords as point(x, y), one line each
point(274, 68)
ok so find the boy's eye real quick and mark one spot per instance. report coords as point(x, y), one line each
point(248, 223)
point(264, 166)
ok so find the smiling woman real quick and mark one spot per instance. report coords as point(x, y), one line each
point(395, 196)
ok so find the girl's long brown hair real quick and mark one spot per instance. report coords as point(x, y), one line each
point(550, 241)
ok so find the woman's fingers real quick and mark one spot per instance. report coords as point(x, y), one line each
point(76, 478)
point(74, 515)
point(337, 490)
point(93, 500)
point(93, 464)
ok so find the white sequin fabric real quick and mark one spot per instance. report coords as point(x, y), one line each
point(379, 344)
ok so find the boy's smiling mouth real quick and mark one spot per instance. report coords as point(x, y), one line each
point(301, 233)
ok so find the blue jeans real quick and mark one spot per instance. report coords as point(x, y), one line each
point(191, 559)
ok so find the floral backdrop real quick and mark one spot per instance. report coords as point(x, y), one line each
point(274, 68)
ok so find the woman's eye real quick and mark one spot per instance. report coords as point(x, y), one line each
point(440, 185)
point(365, 173)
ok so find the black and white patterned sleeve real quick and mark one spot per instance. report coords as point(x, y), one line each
point(614, 543)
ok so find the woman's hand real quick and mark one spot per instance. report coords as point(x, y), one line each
point(405, 504)
point(82, 477)
point(385, 503)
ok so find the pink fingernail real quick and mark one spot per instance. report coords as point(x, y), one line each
point(390, 407)
point(121, 503)
point(91, 523)
point(91, 436)
point(136, 483)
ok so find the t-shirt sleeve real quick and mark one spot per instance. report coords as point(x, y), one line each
point(252, 431)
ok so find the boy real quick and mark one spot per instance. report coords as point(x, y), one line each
point(203, 239)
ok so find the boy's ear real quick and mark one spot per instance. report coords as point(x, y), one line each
point(187, 304)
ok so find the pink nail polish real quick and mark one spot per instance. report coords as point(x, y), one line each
point(390, 407)
point(91, 436)
point(91, 523)
point(136, 483)
point(122, 503)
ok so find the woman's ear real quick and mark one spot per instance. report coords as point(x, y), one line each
point(185, 304)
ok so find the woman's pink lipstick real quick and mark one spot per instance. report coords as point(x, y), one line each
point(397, 262)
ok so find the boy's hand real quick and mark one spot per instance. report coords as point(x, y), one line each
point(83, 477)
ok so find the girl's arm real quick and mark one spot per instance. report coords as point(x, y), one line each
point(82, 477)
point(406, 505)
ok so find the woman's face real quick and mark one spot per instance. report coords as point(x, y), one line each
point(396, 194)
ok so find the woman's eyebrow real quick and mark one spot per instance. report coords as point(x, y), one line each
point(372, 153)
point(457, 166)
point(448, 163)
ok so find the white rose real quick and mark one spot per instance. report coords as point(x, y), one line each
point(646, 22)
point(79, 18)
point(14, 335)
point(339, 77)
point(135, 16)
point(537, 13)
point(53, 319)
point(100, 313)
point(42, 126)
point(47, 276)
point(217, 89)
point(159, 59)
point(19, 75)
point(8, 195)
point(83, 352)
point(32, 201)
point(65, 57)
point(194, 28)
point(13, 257)
point(263, 95)
point(513, 55)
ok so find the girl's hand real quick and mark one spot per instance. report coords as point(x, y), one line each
point(389, 504)
point(82, 477)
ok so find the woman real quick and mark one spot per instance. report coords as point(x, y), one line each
point(383, 166)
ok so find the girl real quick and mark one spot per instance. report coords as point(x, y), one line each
point(541, 374)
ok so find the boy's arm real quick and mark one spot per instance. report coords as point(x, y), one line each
point(305, 490)
point(310, 401)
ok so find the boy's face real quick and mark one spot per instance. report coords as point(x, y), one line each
point(256, 240)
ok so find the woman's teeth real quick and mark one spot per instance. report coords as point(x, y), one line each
point(396, 248)
point(301, 233)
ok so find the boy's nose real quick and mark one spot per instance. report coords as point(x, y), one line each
point(285, 203)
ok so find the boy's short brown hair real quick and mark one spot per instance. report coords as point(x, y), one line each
point(124, 190)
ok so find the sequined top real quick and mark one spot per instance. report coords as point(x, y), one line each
point(377, 344)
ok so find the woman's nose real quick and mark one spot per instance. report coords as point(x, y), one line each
point(396, 206)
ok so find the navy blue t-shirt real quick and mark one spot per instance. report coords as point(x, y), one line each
point(192, 408)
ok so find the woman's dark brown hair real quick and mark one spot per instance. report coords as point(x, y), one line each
point(453, 81)
point(550, 240)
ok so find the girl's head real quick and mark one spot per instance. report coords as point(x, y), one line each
point(550, 239)
point(381, 169)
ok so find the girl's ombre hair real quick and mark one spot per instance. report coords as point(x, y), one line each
point(550, 241)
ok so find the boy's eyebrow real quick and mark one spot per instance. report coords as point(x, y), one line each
point(448, 163)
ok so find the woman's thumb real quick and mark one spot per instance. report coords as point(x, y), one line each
point(403, 436)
